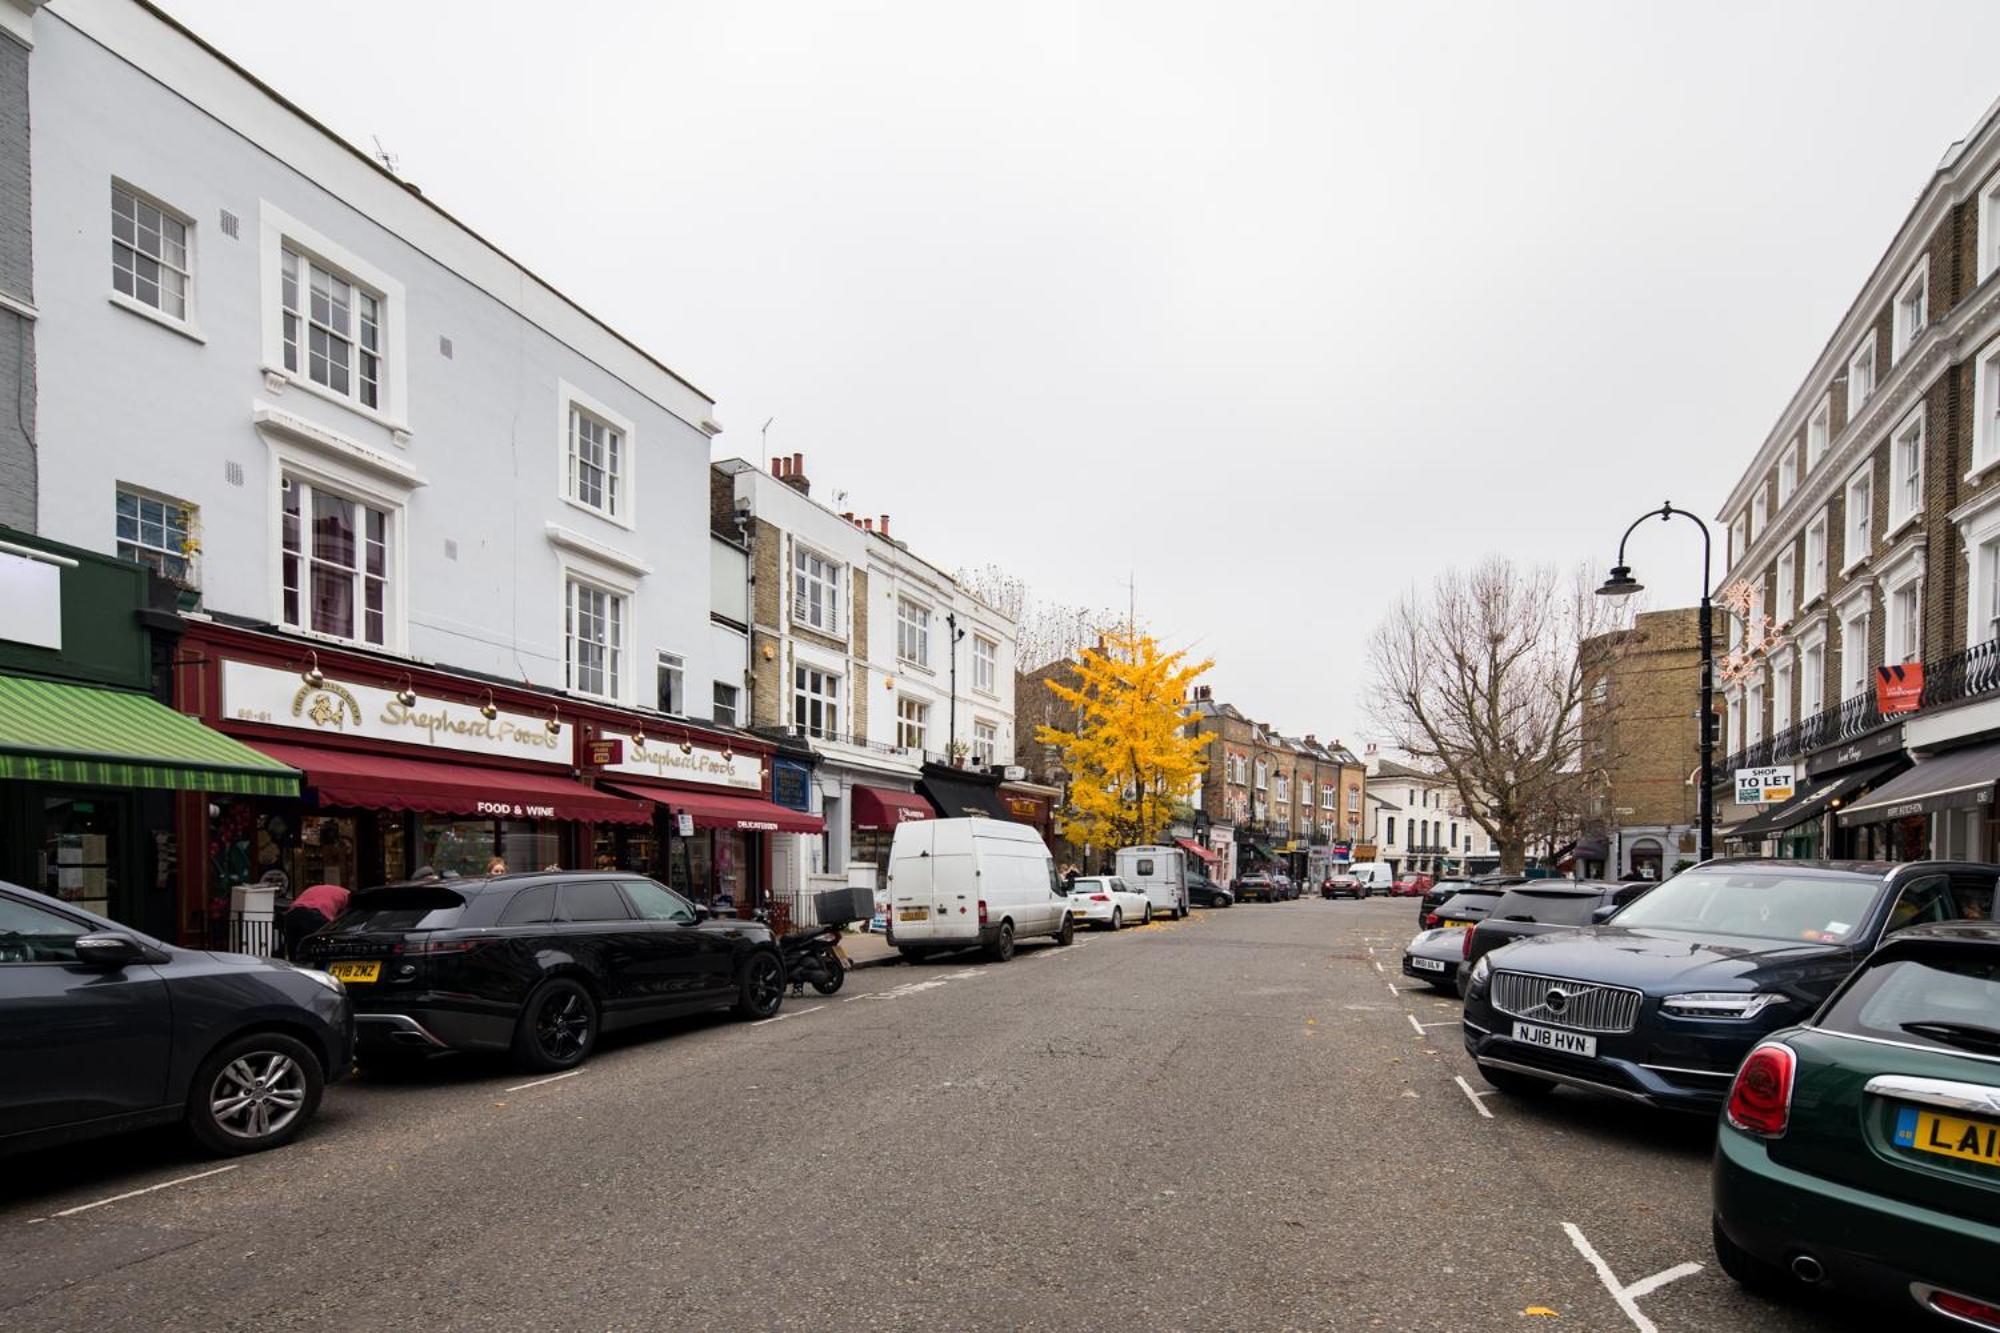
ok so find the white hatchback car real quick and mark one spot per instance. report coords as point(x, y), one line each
point(1108, 901)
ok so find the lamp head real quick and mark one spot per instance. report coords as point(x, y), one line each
point(1621, 583)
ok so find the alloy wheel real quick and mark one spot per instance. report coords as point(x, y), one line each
point(257, 1095)
point(766, 982)
point(563, 1025)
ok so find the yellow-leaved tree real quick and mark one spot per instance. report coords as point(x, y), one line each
point(1129, 759)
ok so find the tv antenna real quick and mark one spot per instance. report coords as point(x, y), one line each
point(388, 159)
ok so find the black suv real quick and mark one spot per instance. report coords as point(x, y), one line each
point(537, 965)
point(1661, 1003)
point(105, 1029)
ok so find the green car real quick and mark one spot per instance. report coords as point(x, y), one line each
point(1860, 1152)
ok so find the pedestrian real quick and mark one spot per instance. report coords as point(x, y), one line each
point(310, 911)
point(425, 872)
point(497, 866)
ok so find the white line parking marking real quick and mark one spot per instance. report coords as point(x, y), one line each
point(1442, 1023)
point(1473, 1097)
point(133, 1194)
point(1378, 968)
point(1415, 1024)
point(1627, 1297)
point(553, 1078)
point(796, 1013)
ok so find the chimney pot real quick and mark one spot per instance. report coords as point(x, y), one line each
point(868, 523)
point(777, 466)
point(885, 525)
point(799, 464)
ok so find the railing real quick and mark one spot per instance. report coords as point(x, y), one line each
point(1963, 675)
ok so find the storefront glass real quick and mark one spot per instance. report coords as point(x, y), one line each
point(626, 847)
point(80, 849)
point(871, 845)
point(468, 846)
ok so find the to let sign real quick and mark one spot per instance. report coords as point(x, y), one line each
point(1899, 688)
point(1764, 786)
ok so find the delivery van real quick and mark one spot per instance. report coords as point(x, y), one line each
point(1158, 872)
point(966, 883)
point(1375, 877)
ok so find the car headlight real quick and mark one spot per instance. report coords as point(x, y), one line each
point(1720, 1004)
point(1482, 968)
point(326, 979)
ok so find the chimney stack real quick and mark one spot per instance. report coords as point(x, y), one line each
point(777, 466)
point(885, 525)
point(868, 523)
point(793, 473)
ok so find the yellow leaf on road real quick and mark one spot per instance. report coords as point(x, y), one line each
point(1541, 1312)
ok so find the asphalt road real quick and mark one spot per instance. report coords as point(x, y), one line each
point(1225, 1123)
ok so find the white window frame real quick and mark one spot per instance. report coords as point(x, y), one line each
point(1912, 297)
point(179, 528)
point(1989, 228)
point(1858, 519)
point(1812, 676)
point(1985, 410)
point(1864, 353)
point(1737, 545)
point(1857, 671)
point(986, 741)
point(617, 643)
point(913, 723)
point(1819, 433)
point(306, 483)
point(812, 567)
point(913, 632)
point(1788, 585)
point(1760, 510)
point(184, 322)
point(278, 230)
point(1979, 537)
point(1814, 571)
point(812, 683)
point(623, 479)
point(734, 706)
point(1903, 616)
point(1788, 475)
point(1781, 695)
point(1734, 718)
point(985, 664)
point(673, 664)
point(1903, 508)
point(1753, 713)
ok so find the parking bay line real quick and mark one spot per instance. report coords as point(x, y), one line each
point(1627, 1296)
point(796, 1013)
point(553, 1078)
point(133, 1194)
point(1473, 1097)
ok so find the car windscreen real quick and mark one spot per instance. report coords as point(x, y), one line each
point(397, 909)
point(1949, 999)
point(1764, 904)
point(1553, 909)
point(1090, 886)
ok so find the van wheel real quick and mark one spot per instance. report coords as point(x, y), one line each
point(1117, 918)
point(1067, 933)
point(1002, 947)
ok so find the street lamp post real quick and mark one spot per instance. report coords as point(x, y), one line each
point(953, 635)
point(1622, 584)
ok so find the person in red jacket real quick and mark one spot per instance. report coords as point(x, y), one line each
point(310, 910)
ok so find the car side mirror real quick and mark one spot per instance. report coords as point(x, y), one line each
point(108, 950)
point(701, 913)
point(1603, 914)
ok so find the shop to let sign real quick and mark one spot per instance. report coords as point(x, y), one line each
point(1764, 786)
point(1899, 688)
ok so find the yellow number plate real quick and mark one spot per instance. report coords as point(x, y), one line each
point(1948, 1136)
point(1449, 924)
point(356, 971)
point(913, 913)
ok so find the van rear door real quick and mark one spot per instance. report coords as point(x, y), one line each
point(912, 887)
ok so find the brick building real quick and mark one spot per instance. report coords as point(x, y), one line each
point(1867, 529)
point(1641, 746)
point(1289, 803)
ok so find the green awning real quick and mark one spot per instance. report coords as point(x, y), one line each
point(88, 736)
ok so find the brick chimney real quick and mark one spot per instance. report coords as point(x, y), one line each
point(885, 525)
point(792, 472)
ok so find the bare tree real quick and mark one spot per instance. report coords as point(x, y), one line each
point(1481, 677)
point(1045, 631)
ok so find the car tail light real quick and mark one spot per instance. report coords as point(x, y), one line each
point(1964, 1307)
point(427, 946)
point(1430, 920)
point(1760, 1101)
point(982, 911)
point(1468, 945)
point(1100, 897)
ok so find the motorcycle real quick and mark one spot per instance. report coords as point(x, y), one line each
point(814, 955)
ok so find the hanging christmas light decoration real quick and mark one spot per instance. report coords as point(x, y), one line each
point(1758, 637)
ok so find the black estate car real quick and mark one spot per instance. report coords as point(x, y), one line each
point(104, 1029)
point(1437, 894)
point(537, 965)
point(1542, 907)
point(1660, 1004)
point(1205, 892)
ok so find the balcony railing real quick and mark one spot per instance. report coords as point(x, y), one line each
point(1970, 674)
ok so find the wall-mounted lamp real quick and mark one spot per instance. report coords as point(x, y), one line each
point(554, 725)
point(489, 710)
point(769, 652)
point(312, 675)
point(407, 696)
point(639, 738)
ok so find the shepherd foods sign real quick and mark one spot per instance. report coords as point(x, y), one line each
point(659, 757)
point(338, 708)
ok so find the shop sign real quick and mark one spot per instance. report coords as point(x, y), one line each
point(684, 824)
point(1899, 688)
point(279, 698)
point(31, 601)
point(599, 753)
point(1343, 850)
point(1764, 786)
point(790, 786)
point(1026, 809)
point(659, 757)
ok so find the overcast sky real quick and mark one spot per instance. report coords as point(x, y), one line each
point(1284, 306)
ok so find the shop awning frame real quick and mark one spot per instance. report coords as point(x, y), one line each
point(1956, 780)
point(91, 736)
point(716, 810)
point(1196, 849)
point(962, 800)
point(369, 780)
point(877, 808)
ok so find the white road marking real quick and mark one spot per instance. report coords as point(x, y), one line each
point(796, 1013)
point(1415, 1024)
point(1627, 1297)
point(133, 1194)
point(553, 1078)
point(1378, 966)
point(1473, 1097)
point(1441, 1023)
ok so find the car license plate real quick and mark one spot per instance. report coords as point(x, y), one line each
point(913, 913)
point(1427, 964)
point(1948, 1136)
point(356, 971)
point(1452, 925)
point(1555, 1039)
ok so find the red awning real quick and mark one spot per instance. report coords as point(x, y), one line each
point(715, 810)
point(1191, 845)
point(879, 807)
point(447, 787)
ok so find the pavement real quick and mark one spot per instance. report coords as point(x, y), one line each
point(1243, 1120)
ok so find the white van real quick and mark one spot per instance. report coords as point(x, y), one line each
point(1158, 872)
point(957, 883)
point(1374, 876)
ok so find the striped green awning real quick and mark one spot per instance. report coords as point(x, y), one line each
point(52, 731)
